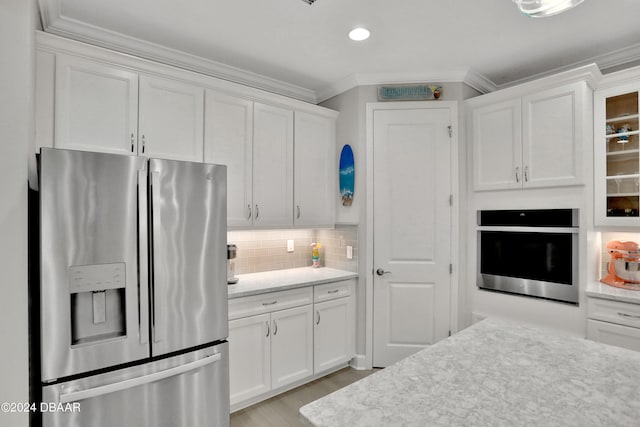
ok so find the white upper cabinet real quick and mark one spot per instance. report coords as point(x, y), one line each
point(272, 166)
point(315, 194)
point(171, 119)
point(228, 140)
point(102, 107)
point(96, 106)
point(617, 154)
point(98, 100)
point(530, 141)
point(553, 135)
point(497, 145)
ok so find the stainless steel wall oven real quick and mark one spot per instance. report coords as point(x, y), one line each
point(529, 252)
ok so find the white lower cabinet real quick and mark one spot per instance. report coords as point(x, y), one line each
point(270, 343)
point(612, 334)
point(250, 366)
point(334, 325)
point(281, 339)
point(291, 345)
point(614, 323)
point(332, 334)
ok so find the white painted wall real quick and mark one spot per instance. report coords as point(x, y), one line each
point(351, 129)
point(16, 134)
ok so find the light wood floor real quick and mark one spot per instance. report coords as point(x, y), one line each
point(282, 410)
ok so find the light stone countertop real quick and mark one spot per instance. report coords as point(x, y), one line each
point(494, 373)
point(279, 280)
point(602, 290)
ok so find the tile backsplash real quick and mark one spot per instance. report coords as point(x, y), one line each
point(266, 250)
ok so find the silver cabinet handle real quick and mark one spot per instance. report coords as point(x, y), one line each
point(143, 251)
point(268, 328)
point(270, 303)
point(249, 210)
point(517, 173)
point(381, 272)
point(298, 212)
point(143, 143)
point(628, 316)
point(526, 173)
point(134, 382)
point(132, 142)
point(317, 317)
point(275, 327)
point(257, 212)
point(335, 291)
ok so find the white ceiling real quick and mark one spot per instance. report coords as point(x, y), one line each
point(302, 50)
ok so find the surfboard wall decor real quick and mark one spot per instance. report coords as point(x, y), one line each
point(347, 175)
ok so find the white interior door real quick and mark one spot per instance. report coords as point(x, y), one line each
point(412, 230)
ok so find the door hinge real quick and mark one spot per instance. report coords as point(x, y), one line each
point(450, 131)
point(450, 268)
point(450, 199)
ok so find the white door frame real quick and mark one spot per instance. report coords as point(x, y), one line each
point(368, 273)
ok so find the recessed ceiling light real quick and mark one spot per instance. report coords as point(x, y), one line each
point(359, 34)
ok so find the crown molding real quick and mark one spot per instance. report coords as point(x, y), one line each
point(56, 24)
point(450, 75)
point(616, 59)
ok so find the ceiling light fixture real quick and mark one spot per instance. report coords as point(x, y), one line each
point(359, 34)
point(544, 8)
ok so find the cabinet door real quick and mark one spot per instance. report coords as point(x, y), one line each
point(249, 357)
point(171, 119)
point(496, 132)
point(96, 106)
point(612, 334)
point(553, 123)
point(228, 140)
point(616, 134)
point(333, 334)
point(291, 345)
point(314, 168)
point(272, 166)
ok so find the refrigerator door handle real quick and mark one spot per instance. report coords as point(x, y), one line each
point(143, 242)
point(76, 396)
point(158, 284)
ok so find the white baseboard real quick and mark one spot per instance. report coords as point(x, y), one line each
point(359, 362)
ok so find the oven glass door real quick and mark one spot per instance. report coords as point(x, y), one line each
point(544, 257)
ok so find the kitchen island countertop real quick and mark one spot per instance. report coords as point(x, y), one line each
point(495, 373)
point(279, 280)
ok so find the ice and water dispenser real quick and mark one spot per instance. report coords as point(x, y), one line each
point(97, 295)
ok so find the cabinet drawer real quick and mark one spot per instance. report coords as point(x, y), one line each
point(614, 312)
point(266, 303)
point(334, 290)
point(618, 335)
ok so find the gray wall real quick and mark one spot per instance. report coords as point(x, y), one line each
point(351, 129)
point(16, 134)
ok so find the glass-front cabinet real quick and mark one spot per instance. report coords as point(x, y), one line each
point(617, 156)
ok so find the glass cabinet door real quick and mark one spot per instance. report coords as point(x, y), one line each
point(622, 156)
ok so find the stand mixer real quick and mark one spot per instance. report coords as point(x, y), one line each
point(624, 266)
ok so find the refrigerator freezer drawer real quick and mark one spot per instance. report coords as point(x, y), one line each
point(187, 390)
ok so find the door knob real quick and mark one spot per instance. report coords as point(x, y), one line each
point(381, 272)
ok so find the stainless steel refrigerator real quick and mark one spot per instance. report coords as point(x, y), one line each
point(133, 293)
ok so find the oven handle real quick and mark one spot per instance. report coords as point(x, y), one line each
point(134, 382)
point(520, 229)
